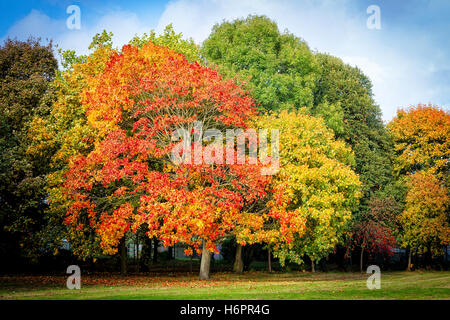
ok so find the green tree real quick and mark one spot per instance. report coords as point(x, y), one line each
point(349, 90)
point(169, 38)
point(26, 69)
point(279, 67)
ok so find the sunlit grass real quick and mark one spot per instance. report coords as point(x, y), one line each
point(255, 285)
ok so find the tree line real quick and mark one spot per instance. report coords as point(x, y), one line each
point(85, 151)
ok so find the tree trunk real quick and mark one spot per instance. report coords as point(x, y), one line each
point(155, 250)
point(351, 261)
point(446, 255)
point(238, 266)
point(137, 253)
point(146, 254)
point(409, 261)
point(190, 264)
point(361, 260)
point(123, 256)
point(205, 263)
point(170, 253)
point(269, 260)
point(247, 256)
point(313, 268)
point(429, 259)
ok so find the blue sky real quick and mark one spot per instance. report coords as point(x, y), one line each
point(408, 59)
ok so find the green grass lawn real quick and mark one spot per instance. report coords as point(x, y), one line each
point(253, 285)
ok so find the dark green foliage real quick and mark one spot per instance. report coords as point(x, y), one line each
point(348, 88)
point(26, 69)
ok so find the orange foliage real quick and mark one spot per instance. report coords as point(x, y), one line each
point(422, 139)
point(128, 180)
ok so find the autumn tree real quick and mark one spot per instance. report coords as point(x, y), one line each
point(63, 132)
point(26, 70)
point(142, 97)
point(421, 135)
point(425, 220)
point(376, 230)
point(314, 191)
point(422, 141)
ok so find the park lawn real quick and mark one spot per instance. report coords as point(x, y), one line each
point(249, 286)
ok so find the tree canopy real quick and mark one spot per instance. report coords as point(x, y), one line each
point(26, 70)
point(278, 68)
point(134, 141)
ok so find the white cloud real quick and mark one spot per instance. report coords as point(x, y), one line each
point(36, 24)
point(196, 18)
point(124, 25)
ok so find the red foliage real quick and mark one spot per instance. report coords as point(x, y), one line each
point(127, 181)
